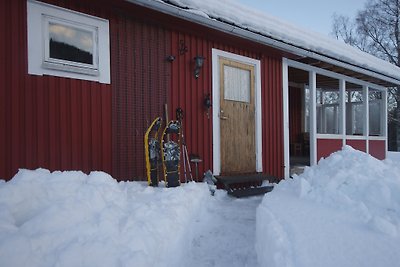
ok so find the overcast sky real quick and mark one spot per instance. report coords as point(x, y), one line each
point(314, 15)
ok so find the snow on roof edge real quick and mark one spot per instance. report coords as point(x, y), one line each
point(236, 15)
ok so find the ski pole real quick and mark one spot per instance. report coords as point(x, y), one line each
point(179, 116)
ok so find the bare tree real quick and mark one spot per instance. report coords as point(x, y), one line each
point(375, 30)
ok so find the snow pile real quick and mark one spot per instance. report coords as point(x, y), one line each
point(343, 212)
point(234, 13)
point(394, 156)
point(74, 219)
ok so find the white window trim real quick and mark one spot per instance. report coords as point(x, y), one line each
point(38, 16)
point(216, 54)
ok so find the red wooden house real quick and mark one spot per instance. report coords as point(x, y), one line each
point(80, 81)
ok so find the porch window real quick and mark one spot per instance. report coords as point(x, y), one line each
point(376, 106)
point(328, 105)
point(355, 110)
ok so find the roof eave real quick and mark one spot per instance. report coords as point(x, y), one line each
point(259, 38)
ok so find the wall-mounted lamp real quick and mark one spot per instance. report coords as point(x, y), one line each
point(207, 104)
point(198, 63)
point(170, 58)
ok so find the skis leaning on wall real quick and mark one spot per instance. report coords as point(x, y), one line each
point(171, 153)
point(152, 151)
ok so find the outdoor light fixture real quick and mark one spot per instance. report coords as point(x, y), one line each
point(170, 58)
point(198, 63)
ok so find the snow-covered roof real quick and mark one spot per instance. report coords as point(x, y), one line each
point(288, 36)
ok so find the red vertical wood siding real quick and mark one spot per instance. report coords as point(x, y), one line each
point(358, 144)
point(325, 147)
point(141, 80)
point(272, 101)
point(49, 122)
point(377, 149)
point(295, 113)
point(62, 124)
point(188, 93)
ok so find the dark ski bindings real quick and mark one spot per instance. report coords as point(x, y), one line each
point(171, 153)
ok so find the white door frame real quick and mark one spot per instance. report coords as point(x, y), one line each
point(216, 54)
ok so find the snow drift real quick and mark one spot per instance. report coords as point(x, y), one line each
point(343, 212)
point(74, 219)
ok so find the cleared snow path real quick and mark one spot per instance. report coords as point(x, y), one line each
point(224, 235)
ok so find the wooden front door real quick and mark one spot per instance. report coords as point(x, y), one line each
point(237, 117)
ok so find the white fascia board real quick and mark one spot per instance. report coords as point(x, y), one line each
point(302, 66)
point(257, 37)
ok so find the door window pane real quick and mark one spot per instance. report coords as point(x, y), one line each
point(237, 84)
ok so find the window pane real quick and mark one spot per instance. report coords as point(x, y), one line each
point(375, 112)
point(354, 110)
point(237, 84)
point(69, 43)
point(328, 105)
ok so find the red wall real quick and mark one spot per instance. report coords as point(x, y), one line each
point(188, 93)
point(140, 81)
point(358, 144)
point(325, 147)
point(63, 124)
point(295, 113)
point(377, 149)
point(49, 122)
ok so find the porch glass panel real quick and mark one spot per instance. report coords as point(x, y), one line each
point(375, 112)
point(328, 105)
point(355, 110)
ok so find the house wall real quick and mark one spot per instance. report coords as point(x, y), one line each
point(67, 124)
point(295, 114)
point(358, 144)
point(188, 93)
point(48, 122)
point(325, 147)
point(141, 78)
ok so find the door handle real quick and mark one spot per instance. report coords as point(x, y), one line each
point(221, 115)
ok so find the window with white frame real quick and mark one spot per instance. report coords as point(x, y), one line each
point(328, 111)
point(66, 43)
point(376, 106)
point(328, 105)
point(355, 110)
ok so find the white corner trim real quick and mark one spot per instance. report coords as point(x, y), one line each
point(216, 54)
point(285, 93)
point(312, 80)
point(36, 11)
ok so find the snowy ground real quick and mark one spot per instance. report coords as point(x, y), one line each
point(225, 233)
point(343, 212)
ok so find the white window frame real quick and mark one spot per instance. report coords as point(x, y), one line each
point(39, 16)
point(314, 136)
